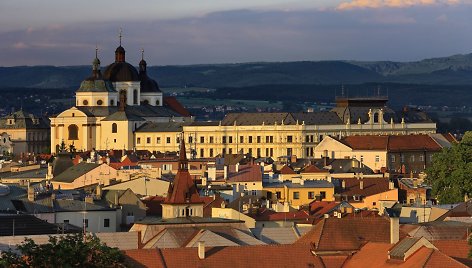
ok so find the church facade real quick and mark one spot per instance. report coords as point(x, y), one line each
point(109, 107)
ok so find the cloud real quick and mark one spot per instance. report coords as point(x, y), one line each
point(20, 45)
point(363, 4)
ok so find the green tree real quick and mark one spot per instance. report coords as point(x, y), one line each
point(64, 251)
point(451, 172)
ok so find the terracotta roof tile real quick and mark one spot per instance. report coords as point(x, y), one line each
point(286, 170)
point(247, 256)
point(370, 187)
point(176, 106)
point(457, 249)
point(392, 143)
point(246, 173)
point(313, 169)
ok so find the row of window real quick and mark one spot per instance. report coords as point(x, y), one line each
point(413, 158)
point(296, 195)
point(106, 222)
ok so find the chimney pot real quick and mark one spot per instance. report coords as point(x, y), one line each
point(201, 250)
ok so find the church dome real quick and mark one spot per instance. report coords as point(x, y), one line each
point(95, 85)
point(121, 71)
point(147, 84)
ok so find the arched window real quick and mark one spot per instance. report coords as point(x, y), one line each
point(376, 117)
point(135, 96)
point(112, 102)
point(114, 128)
point(158, 102)
point(99, 102)
point(73, 132)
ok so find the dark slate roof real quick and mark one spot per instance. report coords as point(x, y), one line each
point(80, 205)
point(123, 116)
point(30, 225)
point(24, 120)
point(138, 110)
point(72, 173)
point(35, 173)
point(315, 118)
point(205, 123)
point(162, 127)
point(61, 162)
point(6, 204)
point(148, 84)
point(120, 72)
point(96, 85)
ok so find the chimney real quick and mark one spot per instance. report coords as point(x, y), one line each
point(225, 172)
point(237, 167)
point(98, 191)
point(89, 199)
point(361, 184)
point(31, 193)
point(394, 230)
point(325, 158)
point(293, 158)
point(201, 250)
point(391, 186)
point(343, 184)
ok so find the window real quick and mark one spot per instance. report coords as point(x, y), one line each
point(138, 140)
point(250, 151)
point(112, 103)
point(269, 195)
point(241, 139)
point(421, 158)
point(224, 139)
point(289, 151)
point(311, 195)
point(250, 139)
point(158, 140)
point(278, 194)
point(177, 139)
point(202, 139)
point(114, 128)
point(254, 192)
point(85, 222)
point(323, 195)
point(258, 152)
point(85, 102)
point(321, 137)
point(158, 103)
point(148, 140)
point(201, 152)
point(99, 102)
point(362, 158)
point(73, 132)
point(267, 139)
point(230, 139)
point(211, 139)
point(402, 158)
point(135, 96)
point(271, 139)
point(258, 139)
point(289, 138)
point(190, 139)
point(211, 152)
point(412, 158)
point(296, 195)
point(392, 158)
point(167, 139)
point(230, 150)
point(374, 204)
point(106, 222)
point(377, 158)
point(114, 140)
point(66, 221)
point(307, 138)
point(271, 152)
point(376, 118)
point(267, 151)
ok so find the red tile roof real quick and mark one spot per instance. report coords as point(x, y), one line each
point(313, 169)
point(371, 186)
point(286, 170)
point(211, 202)
point(176, 106)
point(392, 143)
point(183, 190)
point(246, 173)
point(319, 208)
point(245, 256)
point(333, 234)
point(457, 249)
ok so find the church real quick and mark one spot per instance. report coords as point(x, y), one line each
point(110, 106)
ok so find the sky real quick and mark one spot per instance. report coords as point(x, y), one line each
point(178, 32)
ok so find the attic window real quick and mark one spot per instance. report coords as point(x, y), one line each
point(11, 121)
point(158, 103)
point(356, 197)
point(85, 102)
point(99, 102)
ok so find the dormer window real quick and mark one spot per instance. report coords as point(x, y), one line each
point(356, 197)
point(11, 121)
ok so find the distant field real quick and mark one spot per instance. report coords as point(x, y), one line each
point(177, 90)
point(249, 104)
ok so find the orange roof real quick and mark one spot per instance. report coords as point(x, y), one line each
point(457, 249)
point(370, 187)
point(286, 170)
point(320, 208)
point(176, 106)
point(313, 169)
point(347, 233)
point(244, 256)
point(246, 173)
point(392, 143)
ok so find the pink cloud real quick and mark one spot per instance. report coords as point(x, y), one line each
point(20, 45)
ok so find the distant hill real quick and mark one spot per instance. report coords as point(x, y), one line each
point(453, 70)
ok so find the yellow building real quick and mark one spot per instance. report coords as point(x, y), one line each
point(110, 107)
point(283, 134)
point(298, 193)
point(21, 132)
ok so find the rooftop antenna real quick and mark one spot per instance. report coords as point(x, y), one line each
point(121, 35)
point(96, 51)
point(142, 53)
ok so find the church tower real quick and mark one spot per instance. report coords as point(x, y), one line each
point(183, 199)
point(150, 92)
